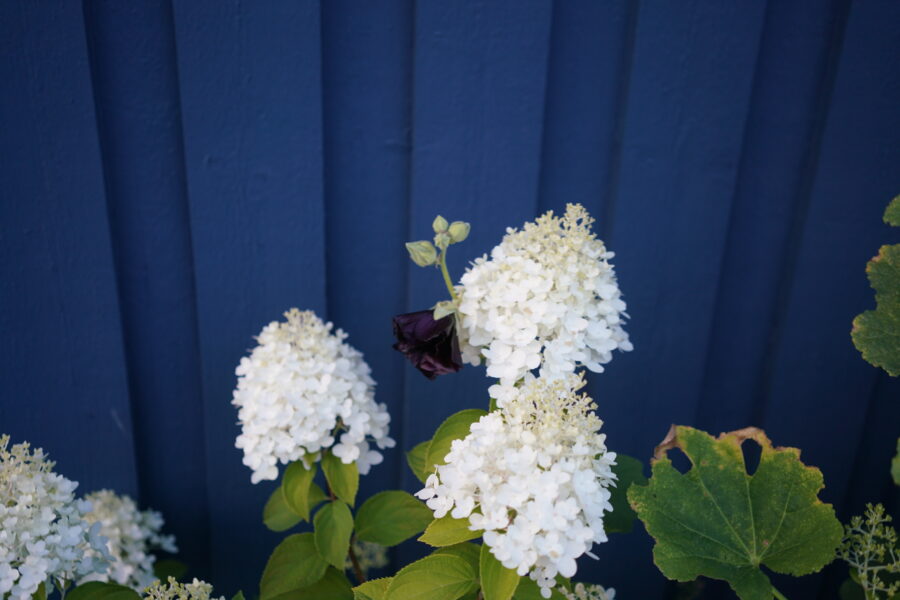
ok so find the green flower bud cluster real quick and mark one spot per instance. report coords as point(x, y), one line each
point(426, 254)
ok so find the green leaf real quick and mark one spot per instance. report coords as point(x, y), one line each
point(471, 553)
point(163, 569)
point(333, 528)
point(497, 582)
point(296, 486)
point(850, 590)
point(278, 516)
point(454, 428)
point(333, 586)
point(718, 521)
point(96, 590)
point(374, 589)
point(390, 517)
point(447, 531)
point(529, 590)
point(895, 465)
point(876, 333)
point(343, 479)
point(436, 577)
point(416, 460)
point(628, 470)
point(41, 593)
point(238, 596)
point(294, 564)
point(892, 213)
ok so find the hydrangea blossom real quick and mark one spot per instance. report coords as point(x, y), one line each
point(546, 298)
point(198, 590)
point(132, 535)
point(534, 476)
point(588, 592)
point(298, 388)
point(43, 535)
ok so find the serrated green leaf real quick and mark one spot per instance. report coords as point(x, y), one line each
point(333, 528)
point(296, 486)
point(390, 517)
point(294, 564)
point(718, 521)
point(497, 582)
point(892, 213)
point(436, 577)
point(876, 333)
point(529, 590)
point(96, 590)
point(895, 465)
point(415, 458)
point(333, 586)
point(455, 427)
point(469, 552)
point(447, 531)
point(628, 470)
point(343, 479)
point(374, 589)
point(277, 515)
point(168, 567)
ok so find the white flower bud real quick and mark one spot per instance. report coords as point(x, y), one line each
point(422, 253)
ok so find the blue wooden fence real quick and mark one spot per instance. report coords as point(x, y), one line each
point(176, 174)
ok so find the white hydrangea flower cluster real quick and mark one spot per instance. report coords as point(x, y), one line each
point(534, 476)
point(132, 536)
point(43, 535)
point(547, 298)
point(298, 387)
point(198, 590)
point(588, 592)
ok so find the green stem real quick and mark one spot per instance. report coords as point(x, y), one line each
point(446, 274)
point(778, 594)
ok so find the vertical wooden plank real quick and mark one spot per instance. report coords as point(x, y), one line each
point(251, 98)
point(132, 51)
point(794, 80)
point(367, 63)
point(479, 83)
point(819, 385)
point(65, 385)
point(687, 105)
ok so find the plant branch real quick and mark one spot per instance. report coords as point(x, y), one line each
point(778, 594)
point(357, 570)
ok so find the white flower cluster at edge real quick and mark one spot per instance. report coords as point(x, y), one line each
point(534, 476)
point(588, 592)
point(297, 389)
point(132, 536)
point(43, 535)
point(198, 590)
point(547, 298)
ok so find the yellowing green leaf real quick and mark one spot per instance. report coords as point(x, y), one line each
point(374, 589)
point(718, 521)
point(343, 479)
point(471, 553)
point(628, 470)
point(447, 531)
point(294, 564)
point(416, 460)
point(876, 333)
point(436, 577)
point(455, 427)
point(296, 486)
point(390, 517)
point(497, 582)
point(892, 213)
point(333, 528)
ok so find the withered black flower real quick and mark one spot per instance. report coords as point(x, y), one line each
point(430, 345)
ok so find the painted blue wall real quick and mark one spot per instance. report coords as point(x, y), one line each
point(176, 174)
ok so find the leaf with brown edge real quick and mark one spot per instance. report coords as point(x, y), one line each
point(718, 521)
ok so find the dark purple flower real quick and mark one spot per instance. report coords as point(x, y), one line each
point(431, 346)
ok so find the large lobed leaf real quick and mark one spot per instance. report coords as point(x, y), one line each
point(718, 521)
point(876, 333)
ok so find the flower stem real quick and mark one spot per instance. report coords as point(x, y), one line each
point(778, 594)
point(447, 281)
point(357, 570)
